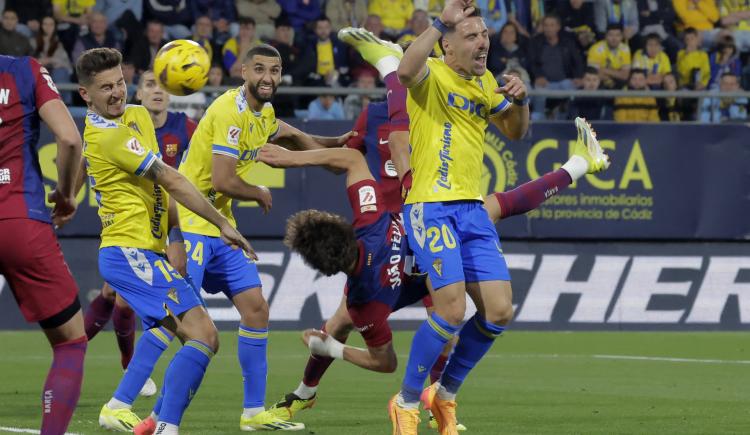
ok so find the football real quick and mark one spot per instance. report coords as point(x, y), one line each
point(181, 67)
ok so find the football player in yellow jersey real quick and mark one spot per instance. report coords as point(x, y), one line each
point(450, 103)
point(132, 185)
point(222, 150)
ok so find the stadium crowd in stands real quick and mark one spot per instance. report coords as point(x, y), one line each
point(550, 44)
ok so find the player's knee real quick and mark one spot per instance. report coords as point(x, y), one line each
point(255, 314)
point(211, 338)
point(501, 314)
point(453, 313)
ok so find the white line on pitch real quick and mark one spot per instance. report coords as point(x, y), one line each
point(667, 359)
point(22, 430)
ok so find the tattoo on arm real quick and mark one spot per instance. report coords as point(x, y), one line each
point(155, 171)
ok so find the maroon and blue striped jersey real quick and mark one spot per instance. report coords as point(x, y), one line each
point(25, 86)
point(174, 137)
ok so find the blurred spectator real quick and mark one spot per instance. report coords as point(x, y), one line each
point(13, 43)
point(692, 63)
point(203, 34)
point(495, 14)
point(216, 10)
point(653, 61)
point(555, 62)
point(433, 7)
point(30, 14)
point(357, 65)
point(142, 52)
point(577, 16)
point(418, 23)
point(235, 48)
point(50, 53)
point(717, 110)
point(504, 46)
point(394, 13)
point(301, 12)
point(346, 13)
point(735, 17)
point(612, 58)
point(71, 16)
point(658, 16)
point(215, 78)
point(724, 59)
point(527, 15)
point(623, 13)
point(355, 103)
point(701, 15)
point(671, 109)
point(193, 105)
point(636, 109)
point(98, 36)
point(330, 53)
point(176, 16)
point(124, 16)
point(264, 12)
point(513, 68)
point(325, 107)
point(592, 109)
point(129, 74)
point(297, 66)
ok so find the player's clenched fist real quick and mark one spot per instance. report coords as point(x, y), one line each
point(514, 88)
point(455, 11)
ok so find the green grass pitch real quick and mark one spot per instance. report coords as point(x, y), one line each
point(529, 383)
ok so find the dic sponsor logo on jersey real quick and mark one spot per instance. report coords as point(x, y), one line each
point(367, 199)
point(135, 147)
point(233, 135)
point(463, 103)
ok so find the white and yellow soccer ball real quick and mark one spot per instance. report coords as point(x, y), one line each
point(181, 67)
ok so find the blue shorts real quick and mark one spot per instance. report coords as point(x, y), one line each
point(455, 241)
point(147, 282)
point(215, 266)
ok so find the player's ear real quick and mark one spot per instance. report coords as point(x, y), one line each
point(84, 94)
point(244, 71)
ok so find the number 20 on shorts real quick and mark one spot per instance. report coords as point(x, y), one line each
point(440, 237)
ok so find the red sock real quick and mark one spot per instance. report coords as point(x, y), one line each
point(396, 97)
point(529, 196)
point(97, 315)
point(437, 368)
point(63, 386)
point(124, 323)
point(317, 365)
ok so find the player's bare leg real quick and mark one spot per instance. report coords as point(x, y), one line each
point(338, 326)
point(63, 385)
point(253, 339)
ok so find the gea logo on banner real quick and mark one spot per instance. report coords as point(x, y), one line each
point(610, 290)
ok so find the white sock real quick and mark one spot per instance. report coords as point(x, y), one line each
point(576, 167)
point(329, 347)
point(116, 404)
point(252, 412)
point(164, 428)
point(445, 395)
point(387, 65)
point(404, 404)
point(305, 392)
point(154, 416)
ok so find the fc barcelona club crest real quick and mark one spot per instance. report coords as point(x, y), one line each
point(171, 149)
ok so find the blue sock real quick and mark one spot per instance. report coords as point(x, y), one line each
point(474, 341)
point(147, 352)
point(251, 352)
point(160, 398)
point(183, 377)
point(426, 346)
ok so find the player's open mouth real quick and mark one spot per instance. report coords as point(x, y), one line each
point(481, 58)
point(265, 88)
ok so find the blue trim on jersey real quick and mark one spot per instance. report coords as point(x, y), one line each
point(275, 132)
point(500, 107)
point(221, 149)
point(32, 172)
point(146, 163)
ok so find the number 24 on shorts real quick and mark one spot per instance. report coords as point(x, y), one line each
point(434, 235)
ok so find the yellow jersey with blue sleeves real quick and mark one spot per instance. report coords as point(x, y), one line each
point(230, 128)
point(449, 114)
point(117, 153)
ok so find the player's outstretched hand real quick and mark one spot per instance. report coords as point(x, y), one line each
point(177, 257)
point(64, 209)
point(456, 11)
point(514, 88)
point(233, 238)
point(264, 198)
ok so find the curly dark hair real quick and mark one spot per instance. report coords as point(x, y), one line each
point(325, 241)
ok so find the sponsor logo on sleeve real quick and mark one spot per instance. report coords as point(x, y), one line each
point(367, 199)
point(135, 147)
point(48, 79)
point(233, 135)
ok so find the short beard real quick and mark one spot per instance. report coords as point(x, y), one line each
point(254, 92)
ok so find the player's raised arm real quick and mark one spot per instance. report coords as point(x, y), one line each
point(186, 194)
point(514, 121)
point(346, 159)
point(412, 68)
point(291, 137)
point(225, 180)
